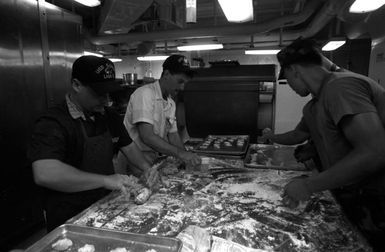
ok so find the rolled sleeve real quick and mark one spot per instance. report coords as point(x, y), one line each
point(349, 96)
point(142, 107)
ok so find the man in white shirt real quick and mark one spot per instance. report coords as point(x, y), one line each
point(150, 116)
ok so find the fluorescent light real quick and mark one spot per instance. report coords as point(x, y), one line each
point(152, 58)
point(261, 52)
point(115, 59)
point(191, 11)
point(89, 3)
point(200, 47)
point(237, 11)
point(93, 54)
point(362, 6)
point(332, 45)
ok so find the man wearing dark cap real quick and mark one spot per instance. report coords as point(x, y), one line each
point(150, 116)
point(72, 144)
point(301, 133)
point(346, 121)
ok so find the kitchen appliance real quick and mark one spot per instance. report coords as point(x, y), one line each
point(130, 78)
point(224, 100)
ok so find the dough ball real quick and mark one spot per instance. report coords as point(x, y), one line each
point(143, 195)
point(119, 250)
point(87, 248)
point(62, 244)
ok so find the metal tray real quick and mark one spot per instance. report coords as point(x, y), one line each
point(278, 156)
point(105, 240)
point(224, 150)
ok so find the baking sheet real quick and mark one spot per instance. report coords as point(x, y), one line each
point(223, 145)
point(105, 240)
point(278, 157)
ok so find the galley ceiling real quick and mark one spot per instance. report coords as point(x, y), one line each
point(132, 27)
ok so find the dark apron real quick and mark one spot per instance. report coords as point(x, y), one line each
point(97, 158)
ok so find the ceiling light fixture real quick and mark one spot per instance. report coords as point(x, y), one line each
point(191, 11)
point(93, 54)
point(152, 58)
point(362, 6)
point(332, 45)
point(262, 52)
point(200, 47)
point(237, 11)
point(89, 3)
point(115, 59)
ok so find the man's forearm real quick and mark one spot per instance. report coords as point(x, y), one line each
point(135, 157)
point(290, 138)
point(354, 167)
point(57, 175)
point(175, 140)
point(160, 145)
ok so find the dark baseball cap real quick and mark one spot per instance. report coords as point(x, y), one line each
point(96, 72)
point(299, 51)
point(178, 64)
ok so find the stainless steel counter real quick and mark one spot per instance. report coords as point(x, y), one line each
point(243, 207)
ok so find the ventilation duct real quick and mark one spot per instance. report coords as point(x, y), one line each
point(262, 32)
point(216, 31)
point(120, 16)
point(117, 15)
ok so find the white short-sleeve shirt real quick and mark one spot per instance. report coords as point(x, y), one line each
point(147, 105)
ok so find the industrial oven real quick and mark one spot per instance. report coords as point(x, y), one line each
point(225, 100)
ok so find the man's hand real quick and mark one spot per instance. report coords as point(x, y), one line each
point(120, 182)
point(267, 134)
point(151, 177)
point(190, 158)
point(296, 191)
point(305, 152)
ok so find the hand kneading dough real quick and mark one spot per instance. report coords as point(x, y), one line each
point(87, 248)
point(62, 244)
point(143, 195)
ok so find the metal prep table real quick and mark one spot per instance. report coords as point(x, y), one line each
point(244, 207)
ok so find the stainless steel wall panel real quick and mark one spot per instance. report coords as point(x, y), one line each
point(22, 97)
point(38, 44)
point(22, 93)
point(65, 45)
point(24, 82)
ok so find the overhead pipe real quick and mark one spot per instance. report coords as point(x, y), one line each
point(209, 32)
point(324, 16)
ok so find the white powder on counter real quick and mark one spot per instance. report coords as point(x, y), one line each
point(244, 208)
point(178, 217)
point(263, 192)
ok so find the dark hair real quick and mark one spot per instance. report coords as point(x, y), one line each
point(301, 51)
point(173, 72)
point(178, 64)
